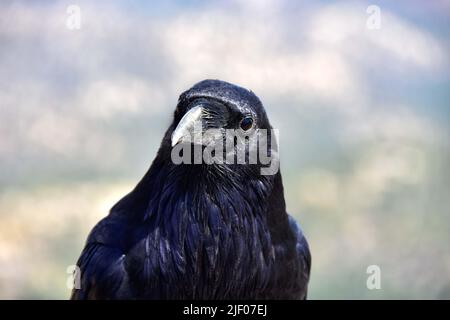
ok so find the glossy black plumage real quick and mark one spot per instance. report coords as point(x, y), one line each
point(199, 231)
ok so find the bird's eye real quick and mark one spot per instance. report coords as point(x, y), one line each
point(246, 123)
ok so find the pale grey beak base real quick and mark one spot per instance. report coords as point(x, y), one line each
point(186, 125)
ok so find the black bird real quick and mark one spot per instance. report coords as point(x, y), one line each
point(199, 231)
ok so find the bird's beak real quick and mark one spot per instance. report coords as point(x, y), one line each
point(185, 128)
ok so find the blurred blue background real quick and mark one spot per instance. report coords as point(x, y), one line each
point(363, 116)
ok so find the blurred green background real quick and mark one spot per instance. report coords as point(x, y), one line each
point(363, 115)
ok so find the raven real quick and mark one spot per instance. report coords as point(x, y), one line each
point(199, 231)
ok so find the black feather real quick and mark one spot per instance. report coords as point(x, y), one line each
point(199, 231)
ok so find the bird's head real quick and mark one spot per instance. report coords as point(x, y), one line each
point(223, 125)
point(223, 119)
point(217, 105)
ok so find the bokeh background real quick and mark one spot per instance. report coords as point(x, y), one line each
point(363, 116)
